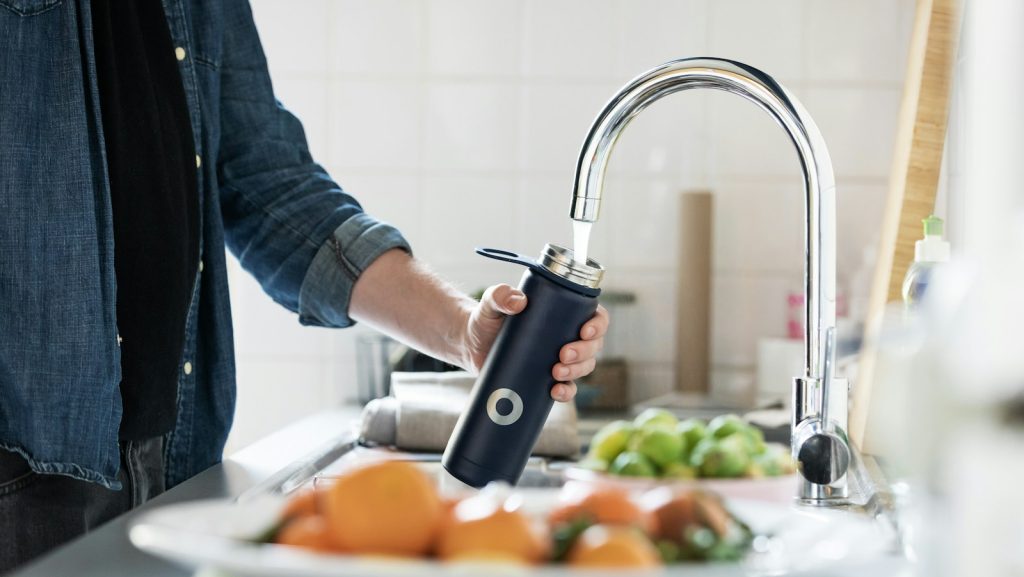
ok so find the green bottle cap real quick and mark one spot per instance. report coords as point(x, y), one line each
point(933, 226)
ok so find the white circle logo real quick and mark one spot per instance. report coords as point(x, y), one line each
point(509, 395)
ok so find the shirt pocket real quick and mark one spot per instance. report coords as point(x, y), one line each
point(29, 7)
point(207, 23)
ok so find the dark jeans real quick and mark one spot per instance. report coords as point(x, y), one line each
point(40, 512)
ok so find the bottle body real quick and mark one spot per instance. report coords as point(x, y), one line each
point(511, 399)
point(915, 284)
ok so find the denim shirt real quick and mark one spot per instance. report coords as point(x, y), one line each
point(261, 194)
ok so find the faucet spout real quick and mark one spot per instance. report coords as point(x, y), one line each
point(819, 203)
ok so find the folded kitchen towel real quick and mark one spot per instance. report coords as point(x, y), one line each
point(424, 407)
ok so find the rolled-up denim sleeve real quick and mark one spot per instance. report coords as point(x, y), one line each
point(327, 288)
point(291, 226)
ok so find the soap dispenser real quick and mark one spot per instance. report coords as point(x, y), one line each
point(929, 253)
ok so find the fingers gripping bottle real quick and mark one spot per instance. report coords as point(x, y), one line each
point(512, 397)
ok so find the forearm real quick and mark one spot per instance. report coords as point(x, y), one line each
point(399, 296)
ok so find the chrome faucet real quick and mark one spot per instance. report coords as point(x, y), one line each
point(819, 439)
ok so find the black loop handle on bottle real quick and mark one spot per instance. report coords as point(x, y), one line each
point(507, 256)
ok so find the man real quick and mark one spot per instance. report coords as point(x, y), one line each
point(136, 139)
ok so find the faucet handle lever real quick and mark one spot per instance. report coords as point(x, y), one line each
point(827, 376)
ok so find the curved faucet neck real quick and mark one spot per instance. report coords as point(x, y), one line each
point(766, 93)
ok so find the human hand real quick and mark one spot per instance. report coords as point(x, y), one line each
point(576, 359)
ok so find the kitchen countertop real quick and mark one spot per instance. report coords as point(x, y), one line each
point(106, 552)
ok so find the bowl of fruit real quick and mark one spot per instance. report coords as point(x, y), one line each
point(394, 518)
point(727, 455)
point(391, 519)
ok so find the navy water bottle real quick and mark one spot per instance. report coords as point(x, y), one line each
point(512, 397)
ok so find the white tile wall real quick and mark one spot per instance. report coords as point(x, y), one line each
point(641, 214)
point(375, 125)
point(854, 41)
point(743, 306)
point(273, 392)
point(652, 338)
point(470, 126)
point(568, 39)
point(464, 212)
point(490, 47)
point(669, 138)
point(758, 228)
point(295, 34)
point(554, 122)
point(744, 141)
point(766, 35)
point(858, 208)
point(655, 31)
point(460, 122)
point(370, 38)
point(859, 124)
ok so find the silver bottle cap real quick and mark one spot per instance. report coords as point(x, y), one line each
point(560, 261)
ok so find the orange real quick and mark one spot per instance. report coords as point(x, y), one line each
point(485, 528)
point(487, 558)
point(608, 506)
point(448, 505)
point(386, 507)
point(304, 503)
point(309, 532)
point(675, 512)
point(613, 546)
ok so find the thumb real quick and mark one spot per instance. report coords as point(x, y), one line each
point(500, 300)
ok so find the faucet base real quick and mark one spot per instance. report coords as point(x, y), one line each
point(821, 449)
point(824, 495)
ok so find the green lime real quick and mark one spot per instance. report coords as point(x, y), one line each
point(726, 457)
point(633, 464)
point(678, 471)
point(611, 440)
point(659, 444)
point(698, 453)
point(691, 431)
point(655, 417)
point(775, 461)
point(723, 426)
point(754, 438)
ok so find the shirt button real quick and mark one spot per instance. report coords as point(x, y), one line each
point(200, 266)
point(179, 53)
point(187, 368)
point(199, 161)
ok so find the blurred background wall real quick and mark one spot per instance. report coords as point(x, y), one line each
point(459, 121)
